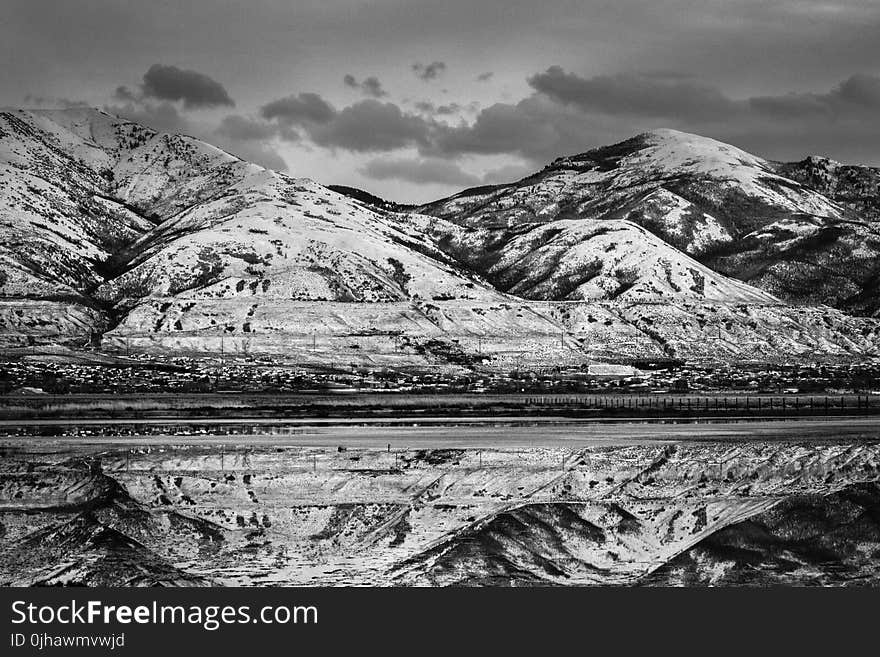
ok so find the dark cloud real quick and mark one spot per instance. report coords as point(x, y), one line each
point(370, 125)
point(430, 71)
point(792, 105)
point(638, 95)
point(857, 96)
point(861, 90)
point(485, 77)
point(687, 101)
point(566, 114)
point(195, 89)
point(535, 128)
point(419, 171)
point(370, 86)
point(365, 126)
point(301, 109)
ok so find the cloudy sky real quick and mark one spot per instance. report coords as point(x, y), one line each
point(415, 99)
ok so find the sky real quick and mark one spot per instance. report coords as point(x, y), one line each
point(413, 100)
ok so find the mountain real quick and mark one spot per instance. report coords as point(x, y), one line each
point(807, 233)
point(115, 232)
point(99, 214)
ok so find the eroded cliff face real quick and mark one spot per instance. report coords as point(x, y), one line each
point(676, 513)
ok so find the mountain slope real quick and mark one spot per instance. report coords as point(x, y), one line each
point(775, 226)
point(585, 259)
point(99, 213)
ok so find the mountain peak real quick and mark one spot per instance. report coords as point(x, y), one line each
point(675, 148)
point(670, 150)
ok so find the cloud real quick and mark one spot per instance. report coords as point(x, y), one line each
point(370, 86)
point(863, 90)
point(428, 107)
point(634, 95)
point(195, 89)
point(305, 108)
point(567, 113)
point(236, 126)
point(485, 77)
point(430, 71)
point(856, 97)
point(257, 152)
point(250, 139)
point(365, 126)
point(126, 95)
point(687, 101)
point(163, 117)
point(535, 128)
point(370, 125)
point(419, 171)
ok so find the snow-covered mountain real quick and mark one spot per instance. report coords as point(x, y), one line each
point(163, 241)
point(100, 213)
point(807, 232)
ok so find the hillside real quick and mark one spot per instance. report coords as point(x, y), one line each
point(100, 213)
point(807, 233)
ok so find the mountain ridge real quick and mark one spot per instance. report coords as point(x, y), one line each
point(731, 211)
point(174, 244)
